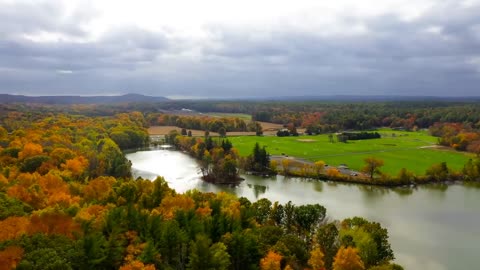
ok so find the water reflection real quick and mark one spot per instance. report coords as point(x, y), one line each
point(373, 191)
point(258, 189)
point(403, 191)
point(318, 186)
point(436, 191)
point(437, 187)
point(331, 184)
point(475, 185)
point(372, 194)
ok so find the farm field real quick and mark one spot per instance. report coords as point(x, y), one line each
point(164, 130)
point(415, 151)
point(243, 116)
point(269, 129)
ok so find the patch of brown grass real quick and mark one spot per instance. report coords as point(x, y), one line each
point(268, 130)
point(270, 126)
point(164, 130)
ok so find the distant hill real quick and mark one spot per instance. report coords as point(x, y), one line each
point(368, 98)
point(128, 98)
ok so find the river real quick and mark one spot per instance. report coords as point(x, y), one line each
point(433, 227)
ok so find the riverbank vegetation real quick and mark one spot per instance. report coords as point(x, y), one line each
point(258, 162)
point(67, 201)
point(218, 160)
point(371, 173)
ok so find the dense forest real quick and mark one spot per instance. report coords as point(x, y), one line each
point(215, 124)
point(325, 115)
point(335, 115)
point(68, 201)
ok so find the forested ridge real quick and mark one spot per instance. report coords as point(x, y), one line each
point(68, 201)
point(341, 115)
point(328, 115)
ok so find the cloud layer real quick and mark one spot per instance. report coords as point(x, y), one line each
point(224, 50)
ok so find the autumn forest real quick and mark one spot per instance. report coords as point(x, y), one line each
point(68, 199)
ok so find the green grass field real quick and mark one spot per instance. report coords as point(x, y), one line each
point(242, 116)
point(398, 149)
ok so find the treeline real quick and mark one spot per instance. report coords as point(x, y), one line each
point(342, 115)
point(329, 117)
point(79, 209)
point(371, 173)
point(460, 136)
point(207, 123)
point(315, 116)
point(362, 116)
point(287, 132)
point(361, 135)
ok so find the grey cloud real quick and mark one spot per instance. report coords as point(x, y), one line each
point(393, 57)
point(19, 18)
point(122, 48)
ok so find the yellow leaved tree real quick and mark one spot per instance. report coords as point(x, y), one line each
point(347, 258)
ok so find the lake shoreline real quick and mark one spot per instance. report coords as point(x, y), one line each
point(323, 177)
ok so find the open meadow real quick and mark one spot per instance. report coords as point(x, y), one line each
point(415, 151)
point(243, 116)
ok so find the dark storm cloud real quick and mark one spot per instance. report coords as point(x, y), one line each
point(435, 54)
point(393, 57)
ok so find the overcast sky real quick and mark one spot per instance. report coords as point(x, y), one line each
point(241, 48)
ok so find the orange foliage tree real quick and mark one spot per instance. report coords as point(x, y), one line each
point(137, 265)
point(30, 150)
point(41, 191)
point(99, 188)
point(10, 257)
point(55, 191)
point(316, 259)
point(13, 227)
point(372, 166)
point(171, 204)
point(53, 223)
point(27, 190)
point(347, 258)
point(76, 166)
point(333, 172)
point(271, 261)
point(93, 213)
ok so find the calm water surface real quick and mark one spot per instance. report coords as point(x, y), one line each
point(433, 227)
